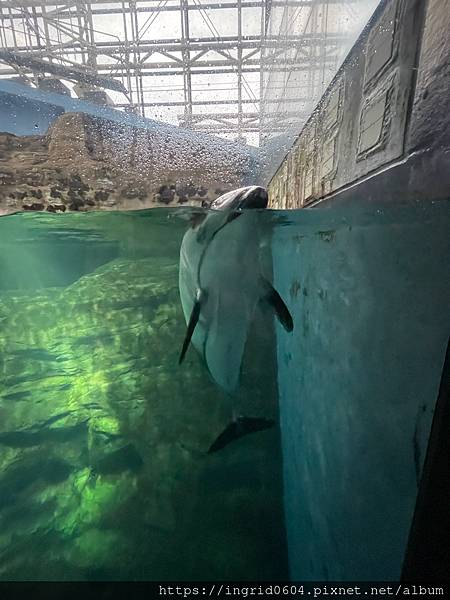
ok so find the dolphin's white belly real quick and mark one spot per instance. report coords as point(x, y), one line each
point(229, 276)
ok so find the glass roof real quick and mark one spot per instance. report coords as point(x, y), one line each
point(204, 65)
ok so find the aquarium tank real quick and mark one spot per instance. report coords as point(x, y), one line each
point(224, 292)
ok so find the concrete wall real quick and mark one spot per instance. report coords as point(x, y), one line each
point(358, 381)
point(377, 114)
point(367, 283)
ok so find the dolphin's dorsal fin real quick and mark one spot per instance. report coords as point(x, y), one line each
point(276, 302)
point(193, 320)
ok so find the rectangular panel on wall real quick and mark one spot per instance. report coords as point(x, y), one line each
point(360, 123)
point(328, 157)
point(278, 188)
point(333, 108)
point(382, 44)
point(297, 174)
point(309, 183)
point(310, 154)
point(376, 116)
point(371, 123)
point(331, 118)
point(390, 52)
point(290, 181)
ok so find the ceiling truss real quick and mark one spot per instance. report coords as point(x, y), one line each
point(70, 41)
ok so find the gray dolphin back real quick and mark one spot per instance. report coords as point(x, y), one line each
point(252, 196)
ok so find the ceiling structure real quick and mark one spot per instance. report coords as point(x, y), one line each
point(201, 64)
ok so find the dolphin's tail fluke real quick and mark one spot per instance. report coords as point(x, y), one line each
point(237, 429)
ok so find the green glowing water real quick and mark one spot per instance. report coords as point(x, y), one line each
point(104, 471)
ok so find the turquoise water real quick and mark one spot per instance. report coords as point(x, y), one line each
point(104, 437)
point(369, 290)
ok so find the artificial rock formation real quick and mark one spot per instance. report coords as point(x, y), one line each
point(86, 163)
point(104, 469)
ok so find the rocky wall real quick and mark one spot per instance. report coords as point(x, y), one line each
point(104, 464)
point(87, 163)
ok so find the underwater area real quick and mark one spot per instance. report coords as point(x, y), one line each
point(105, 472)
point(104, 468)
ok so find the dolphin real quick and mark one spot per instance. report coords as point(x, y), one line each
point(221, 283)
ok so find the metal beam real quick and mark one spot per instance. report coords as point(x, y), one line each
point(149, 71)
point(209, 43)
point(186, 56)
point(18, 4)
point(197, 66)
point(71, 73)
point(214, 102)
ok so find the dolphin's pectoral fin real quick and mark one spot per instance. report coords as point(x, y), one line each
point(193, 320)
point(237, 429)
point(277, 303)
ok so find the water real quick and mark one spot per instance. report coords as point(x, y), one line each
point(104, 470)
point(104, 438)
point(369, 289)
